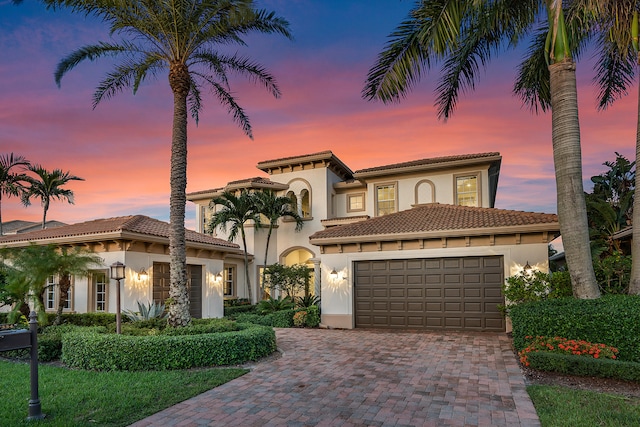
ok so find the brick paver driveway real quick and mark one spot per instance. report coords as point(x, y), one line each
point(369, 378)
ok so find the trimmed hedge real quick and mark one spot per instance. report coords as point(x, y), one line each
point(107, 352)
point(232, 311)
point(612, 319)
point(584, 366)
point(278, 319)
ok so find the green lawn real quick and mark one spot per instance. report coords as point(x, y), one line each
point(82, 398)
point(562, 406)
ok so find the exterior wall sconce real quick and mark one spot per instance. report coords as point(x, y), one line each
point(527, 267)
point(117, 274)
point(142, 274)
point(334, 274)
point(219, 276)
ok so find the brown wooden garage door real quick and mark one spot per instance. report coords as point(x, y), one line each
point(435, 293)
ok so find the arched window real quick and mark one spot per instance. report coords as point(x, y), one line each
point(305, 204)
point(294, 201)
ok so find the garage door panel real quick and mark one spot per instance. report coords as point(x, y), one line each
point(439, 293)
point(415, 292)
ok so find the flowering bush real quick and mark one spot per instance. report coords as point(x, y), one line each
point(529, 286)
point(566, 346)
point(300, 319)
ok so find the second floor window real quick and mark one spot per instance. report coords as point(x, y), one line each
point(355, 202)
point(385, 199)
point(467, 190)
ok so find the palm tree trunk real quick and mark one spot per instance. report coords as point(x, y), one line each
point(266, 256)
point(247, 278)
point(567, 159)
point(634, 283)
point(1, 233)
point(45, 208)
point(179, 305)
point(63, 286)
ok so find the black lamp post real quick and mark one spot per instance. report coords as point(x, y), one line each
point(117, 273)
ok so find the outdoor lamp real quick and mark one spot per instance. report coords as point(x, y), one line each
point(334, 274)
point(117, 273)
point(527, 267)
point(143, 274)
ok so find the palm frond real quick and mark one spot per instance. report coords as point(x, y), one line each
point(532, 82)
point(615, 71)
point(91, 53)
point(227, 100)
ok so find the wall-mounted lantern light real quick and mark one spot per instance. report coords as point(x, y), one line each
point(142, 274)
point(334, 274)
point(527, 267)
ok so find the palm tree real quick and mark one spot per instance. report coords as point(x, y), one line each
point(11, 183)
point(181, 38)
point(32, 265)
point(47, 186)
point(615, 32)
point(236, 210)
point(465, 34)
point(274, 207)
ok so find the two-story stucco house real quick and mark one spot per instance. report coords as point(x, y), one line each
point(409, 245)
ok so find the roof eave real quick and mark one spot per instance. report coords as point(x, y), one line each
point(533, 228)
point(426, 167)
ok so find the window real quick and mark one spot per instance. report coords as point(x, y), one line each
point(50, 299)
point(467, 190)
point(305, 204)
point(355, 202)
point(294, 201)
point(385, 199)
point(100, 285)
point(229, 280)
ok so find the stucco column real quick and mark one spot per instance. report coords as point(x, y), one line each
point(317, 283)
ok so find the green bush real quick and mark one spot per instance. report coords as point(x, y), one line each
point(105, 352)
point(273, 305)
point(279, 319)
point(584, 366)
point(231, 311)
point(612, 319)
point(309, 319)
point(209, 327)
point(535, 286)
point(84, 319)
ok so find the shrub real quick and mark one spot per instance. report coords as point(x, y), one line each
point(313, 317)
point(535, 286)
point(585, 366)
point(566, 346)
point(232, 311)
point(84, 319)
point(273, 305)
point(50, 340)
point(307, 301)
point(146, 312)
point(106, 352)
point(300, 318)
point(209, 327)
point(612, 319)
point(279, 319)
point(613, 273)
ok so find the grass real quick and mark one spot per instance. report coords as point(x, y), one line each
point(80, 398)
point(562, 406)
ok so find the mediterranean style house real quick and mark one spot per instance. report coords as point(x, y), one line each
point(408, 245)
point(142, 245)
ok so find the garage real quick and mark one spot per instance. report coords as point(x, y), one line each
point(457, 293)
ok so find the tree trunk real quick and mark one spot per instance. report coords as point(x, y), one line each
point(63, 286)
point(247, 278)
point(567, 159)
point(45, 208)
point(266, 256)
point(634, 283)
point(179, 304)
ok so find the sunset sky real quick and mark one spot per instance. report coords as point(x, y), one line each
point(122, 148)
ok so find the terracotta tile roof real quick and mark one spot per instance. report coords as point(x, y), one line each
point(286, 159)
point(254, 180)
point(435, 217)
point(431, 161)
point(136, 224)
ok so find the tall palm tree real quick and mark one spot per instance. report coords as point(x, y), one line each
point(236, 210)
point(180, 37)
point(11, 182)
point(614, 33)
point(47, 186)
point(274, 207)
point(464, 35)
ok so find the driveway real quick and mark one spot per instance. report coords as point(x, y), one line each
point(369, 378)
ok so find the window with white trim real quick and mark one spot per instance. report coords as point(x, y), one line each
point(385, 199)
point(229, 281)
point(100, 287)
point(467, 190)
point(50, 296)
point(355, 202)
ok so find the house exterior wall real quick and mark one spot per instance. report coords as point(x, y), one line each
point(337, 294)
